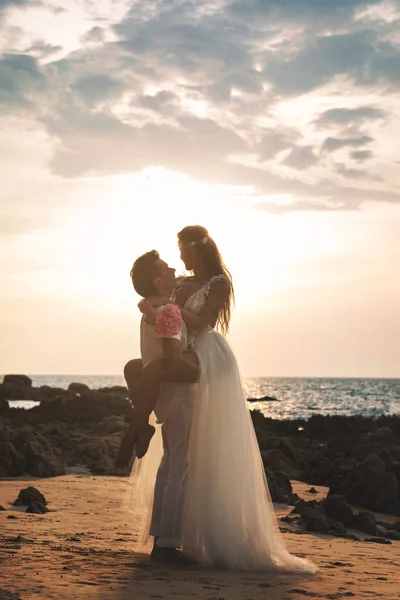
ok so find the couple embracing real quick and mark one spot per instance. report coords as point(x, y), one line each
point(203, 487)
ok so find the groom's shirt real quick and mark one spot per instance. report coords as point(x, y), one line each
point(171, 394)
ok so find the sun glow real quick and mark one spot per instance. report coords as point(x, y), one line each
point(138, 213)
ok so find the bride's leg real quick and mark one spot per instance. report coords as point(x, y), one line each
point(186, 370)
point(133, 373)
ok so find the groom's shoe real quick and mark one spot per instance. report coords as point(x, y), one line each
point(143, 440)
point(170, 555)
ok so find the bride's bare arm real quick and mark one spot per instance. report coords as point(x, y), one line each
point(218, 294)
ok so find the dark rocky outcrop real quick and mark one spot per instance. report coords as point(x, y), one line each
point(28, 496)
point(357, 458)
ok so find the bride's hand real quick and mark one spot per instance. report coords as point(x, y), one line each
point(143, 306)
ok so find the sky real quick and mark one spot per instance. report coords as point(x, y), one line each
point(273, 123)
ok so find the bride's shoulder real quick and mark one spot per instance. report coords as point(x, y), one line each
point(181, 280)
point(219, 285)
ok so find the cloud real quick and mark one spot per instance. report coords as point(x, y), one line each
point(301, 158)
point(158, 102)
point(97, 88)
point(343, 170)
point(20, 78)
point(303, 206)
point(332, 144)
point(361, 155)
point(100, 143)
point(4, 4)
point(273, 141)
point(307, 12)
point(349, 116)
point(198, 88)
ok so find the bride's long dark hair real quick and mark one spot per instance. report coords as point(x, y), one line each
point(207, 249)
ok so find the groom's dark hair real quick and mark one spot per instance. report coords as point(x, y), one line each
point(145, 269)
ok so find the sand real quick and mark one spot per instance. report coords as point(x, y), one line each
point(84, 548)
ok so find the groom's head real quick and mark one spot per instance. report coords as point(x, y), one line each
point(151, 276)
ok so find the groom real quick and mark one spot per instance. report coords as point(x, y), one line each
point(151, 276)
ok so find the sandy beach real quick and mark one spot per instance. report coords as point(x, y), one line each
point(85, 548)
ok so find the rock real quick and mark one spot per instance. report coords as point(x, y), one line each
point(312, 490)
point(28, 496)
point(7, 595)
point(277, 461)
point(392, 534)
point(41, 458)
point(303, 506)
point(381, 531)
point(2, 507)
point(337, 508)
point(396, 526)
point(366, 522)
point(113, 424)
point(371, 486)
point(279, 486)
point(293, 499)
point(10, 391)
point(56, 431)
point(339, 529)
point(287, 449)
point(4, 406)
point(314, 516)
point(115, 389)
point(98, 454)
point(37, 508)
point(12, 463)
point(378, 540)
point(263, 399)
point(78, 388)
point(316, 520)
point(18, 380)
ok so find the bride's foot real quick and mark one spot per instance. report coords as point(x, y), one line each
point(127, 446)
point(143, 440)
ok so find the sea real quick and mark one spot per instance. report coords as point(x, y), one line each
point(294, 397)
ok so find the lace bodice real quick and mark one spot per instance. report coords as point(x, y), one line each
point(196, 302)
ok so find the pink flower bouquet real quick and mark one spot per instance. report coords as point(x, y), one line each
point(169, 321)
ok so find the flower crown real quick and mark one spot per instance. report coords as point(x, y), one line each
point(203, 240)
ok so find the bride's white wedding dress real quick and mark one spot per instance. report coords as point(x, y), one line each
point(228, 518)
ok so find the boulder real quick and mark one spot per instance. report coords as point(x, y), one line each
point(18, 380)
point(37, 508)
point(365, 522)
point(12, 462)
point(29, 496)
point(98, 454)
point(113, 424)
point(263, 399)
point(276, 460)
point(371, 486)
point(10, 391)
point(78, 388)
point(280, 487)
point(337, 509)
point(40, 457)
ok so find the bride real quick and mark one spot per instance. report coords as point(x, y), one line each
point(228, 518)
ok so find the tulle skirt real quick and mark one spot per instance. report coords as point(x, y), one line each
point(229, 519)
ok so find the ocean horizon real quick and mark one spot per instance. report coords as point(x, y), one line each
point(295, 397)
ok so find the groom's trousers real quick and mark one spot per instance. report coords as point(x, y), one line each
point(171, 477)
